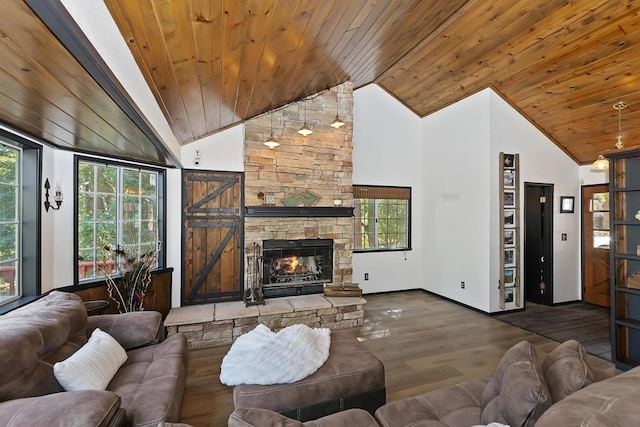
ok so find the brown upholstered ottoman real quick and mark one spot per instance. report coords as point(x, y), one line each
point(351, 377)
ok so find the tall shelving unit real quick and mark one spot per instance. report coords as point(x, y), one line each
point(624, 188)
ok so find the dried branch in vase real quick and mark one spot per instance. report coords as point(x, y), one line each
point(128, 275)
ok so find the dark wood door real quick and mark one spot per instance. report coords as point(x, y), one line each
point(212, 236)
point(595, 239)
point(538, 243)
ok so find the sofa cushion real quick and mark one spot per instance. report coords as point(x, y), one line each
point(567, 370)
point(33, 338)
point(454, 406)
point(249, 417)
point(151, 382)
point(147, 331)
point(89, 408)
point(609, 403)
point(517, 394)
point(93, 366)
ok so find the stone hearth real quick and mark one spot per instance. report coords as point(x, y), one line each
point(209, 325)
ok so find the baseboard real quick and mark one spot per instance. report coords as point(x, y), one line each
point(435, 295)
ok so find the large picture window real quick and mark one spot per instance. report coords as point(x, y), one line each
point(117, 205)
point(382, 218)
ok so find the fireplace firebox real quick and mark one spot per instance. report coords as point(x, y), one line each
point(296, 267)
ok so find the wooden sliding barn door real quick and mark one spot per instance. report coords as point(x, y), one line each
point(212, 236)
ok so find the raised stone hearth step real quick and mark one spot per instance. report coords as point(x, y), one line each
point(209, 325)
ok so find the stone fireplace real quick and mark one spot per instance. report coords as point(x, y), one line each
point(315, 170)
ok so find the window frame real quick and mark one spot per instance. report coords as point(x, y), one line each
point(162, 209)
point(383, 189)
point(30, 266)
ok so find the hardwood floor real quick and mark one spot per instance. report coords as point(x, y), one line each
point(586, 323)
point(424, 342)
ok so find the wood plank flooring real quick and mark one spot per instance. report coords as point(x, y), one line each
point(586, 323)
point(424, 342)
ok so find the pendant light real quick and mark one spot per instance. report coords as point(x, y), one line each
point(271, 142)
point(305, 130)
point(337, 122)
point(602, 164)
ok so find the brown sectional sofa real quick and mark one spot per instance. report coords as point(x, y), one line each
point(563, 390)
point(147, 389)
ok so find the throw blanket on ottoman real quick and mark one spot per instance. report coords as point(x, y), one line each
point(265, 357)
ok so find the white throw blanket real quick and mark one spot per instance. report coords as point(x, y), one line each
point(264, 357)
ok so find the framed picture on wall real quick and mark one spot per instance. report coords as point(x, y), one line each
point(509, 276)
point(508, 294)
point(510, 257)
point(509, 218)
point(509, 178)
point(509, 199)
point(566, 204)
point(509, 238)
point(509, 161)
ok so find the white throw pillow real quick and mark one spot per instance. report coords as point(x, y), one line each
point(93, 366)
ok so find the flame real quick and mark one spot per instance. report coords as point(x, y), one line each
point(292, 265)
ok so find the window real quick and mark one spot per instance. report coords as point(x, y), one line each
point(116, 205)
point(20, 162)
point(10, 161)
point(382, 218)
point(600, 212)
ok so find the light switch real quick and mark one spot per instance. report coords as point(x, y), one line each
point(564, 236)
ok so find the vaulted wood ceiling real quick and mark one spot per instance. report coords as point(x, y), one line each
point(213, 63)
point(563, 64)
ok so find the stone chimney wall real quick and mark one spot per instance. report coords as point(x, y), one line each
point(320, 164)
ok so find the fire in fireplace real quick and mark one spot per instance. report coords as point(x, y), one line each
point(296, 267)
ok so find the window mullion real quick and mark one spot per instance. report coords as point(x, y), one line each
point(376, 224)
point(119, 206)
point(95, 219)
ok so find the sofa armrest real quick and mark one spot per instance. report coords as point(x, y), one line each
point(248, 417)
point(81, 408)
point(131, 330)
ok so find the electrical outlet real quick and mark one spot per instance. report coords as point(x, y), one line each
point(461, 285)
point(366, 276)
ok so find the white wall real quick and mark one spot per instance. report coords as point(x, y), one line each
point(541, 161)
point(453, 171)
point(456, 237)
point(387, 151)
point(57, 225)
point(223, 151)
point(587, 177)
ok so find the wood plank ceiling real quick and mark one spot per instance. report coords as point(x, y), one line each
point(562, 64)
point(213, 63)
point(46, 93)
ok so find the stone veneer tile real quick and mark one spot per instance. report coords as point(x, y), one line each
point(190, 314)
point(234, 310)
point(309, 302)
point(275, 306)
point(342, 301)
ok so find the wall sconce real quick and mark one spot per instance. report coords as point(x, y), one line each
point(56, 198)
